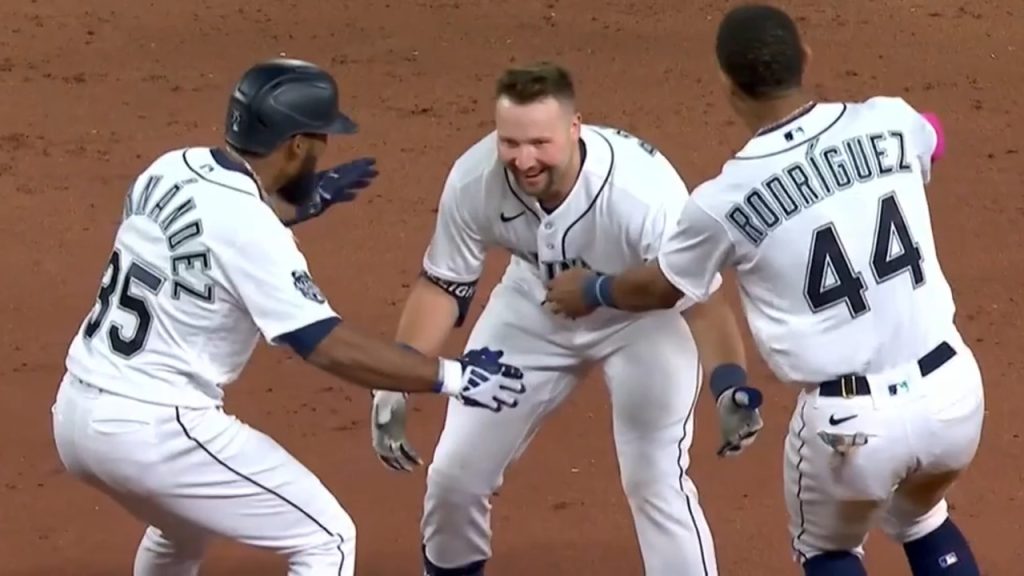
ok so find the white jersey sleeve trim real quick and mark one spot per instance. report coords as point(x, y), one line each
point(457, 249)
point(693, 256)
point(270, 275)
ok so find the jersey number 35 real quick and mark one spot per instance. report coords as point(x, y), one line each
point(125, 344)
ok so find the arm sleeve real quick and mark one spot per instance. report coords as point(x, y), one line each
point(657, 228)
point(270, 277)
point(694, 253)
point(930, 134)
point(657, 234)
point(456, 251)
point(925, 137)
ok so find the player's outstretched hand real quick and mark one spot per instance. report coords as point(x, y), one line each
point(387, 418)
point(484, 381)
point(739, 417)
point(342, 183)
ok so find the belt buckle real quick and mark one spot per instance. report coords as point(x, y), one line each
point(848, 386)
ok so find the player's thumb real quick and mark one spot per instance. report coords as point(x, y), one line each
point(749, 398)
point(382, 413)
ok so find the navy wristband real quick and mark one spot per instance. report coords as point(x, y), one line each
point(726, 376)
point(597, 291)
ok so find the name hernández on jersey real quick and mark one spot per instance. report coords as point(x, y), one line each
point(178, 235)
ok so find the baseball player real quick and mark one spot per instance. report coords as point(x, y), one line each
point(201, 265)
point(560, 194)
point(825, 218)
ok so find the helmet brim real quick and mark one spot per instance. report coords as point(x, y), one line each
point(342, 124)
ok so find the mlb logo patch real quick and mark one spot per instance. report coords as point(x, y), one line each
point(304, 284)
point(948, 560)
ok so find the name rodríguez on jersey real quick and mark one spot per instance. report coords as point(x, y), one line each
point(826, 221)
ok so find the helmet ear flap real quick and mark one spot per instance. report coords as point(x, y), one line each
point(241, 121)
point(235, 125)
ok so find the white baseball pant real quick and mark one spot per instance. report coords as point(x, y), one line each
point(195, 474)
point(653, 374)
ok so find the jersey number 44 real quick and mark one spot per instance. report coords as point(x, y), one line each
point(831, 278)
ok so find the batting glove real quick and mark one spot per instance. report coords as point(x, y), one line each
point(480, 379)
point(343, 183)
point(388, 431)
point(739, 418)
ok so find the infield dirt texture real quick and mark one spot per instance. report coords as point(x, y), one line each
point(93, 91)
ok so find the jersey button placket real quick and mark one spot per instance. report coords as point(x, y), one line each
point(549, 240)
point(546, 247)
point(545, 240)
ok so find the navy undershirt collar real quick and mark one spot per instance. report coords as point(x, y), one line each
point(228, 162)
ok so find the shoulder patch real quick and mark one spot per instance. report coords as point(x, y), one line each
point(304, 284)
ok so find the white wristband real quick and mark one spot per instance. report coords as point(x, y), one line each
point(449, 375)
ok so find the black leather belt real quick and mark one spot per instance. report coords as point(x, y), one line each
point(853, 385)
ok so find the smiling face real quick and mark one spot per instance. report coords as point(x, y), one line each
point(538, 129)
point(536, 142)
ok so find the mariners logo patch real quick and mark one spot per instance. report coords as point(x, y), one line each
point(304, 284)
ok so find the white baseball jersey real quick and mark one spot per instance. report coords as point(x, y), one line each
point(627, 198)
point(826, 221)
point(200, 267)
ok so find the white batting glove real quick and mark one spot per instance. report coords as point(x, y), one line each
point(480, 379)
point(387, 418)
point(739, 418)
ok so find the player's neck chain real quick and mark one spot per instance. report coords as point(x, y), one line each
point(789, 118)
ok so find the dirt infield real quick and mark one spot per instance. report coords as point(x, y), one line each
point(89, 97)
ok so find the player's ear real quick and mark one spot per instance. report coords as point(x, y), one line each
point(296, 148)
point(807, 54)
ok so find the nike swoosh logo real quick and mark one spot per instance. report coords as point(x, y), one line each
point(837, 421)
point(511, 218)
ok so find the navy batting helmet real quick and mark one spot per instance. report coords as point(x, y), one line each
point(279, 98)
